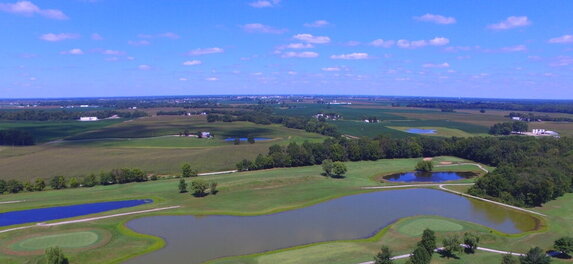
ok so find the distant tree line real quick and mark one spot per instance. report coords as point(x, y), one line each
point(516, 105)
point(531, 170)
point(140, 102)
point(506, 128)
point(16, 138)
point(531, 117)
point(56, 115)
point(176, 113)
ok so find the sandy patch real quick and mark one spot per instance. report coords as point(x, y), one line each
point(446, 163)
point(428, 159)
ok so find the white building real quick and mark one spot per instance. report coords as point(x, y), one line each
point(516, 118)
point(88, 118)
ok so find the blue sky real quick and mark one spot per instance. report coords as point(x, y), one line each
point(76, 48)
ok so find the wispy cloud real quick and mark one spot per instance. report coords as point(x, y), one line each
point(382, 43)
point(317, 24)
point(332, 69)
point(96, 36)
point(73, 52)
point(304, 54)
point(192, 62)
point(511, 22)
point(260, 28)
point(138, 42)
point(112, 52)
point(562, 40)
point(144, 67)
point(264, 3)
point(351, 56)
point(169, 35)
point(27, 8)
point(312, 39)
point(437, 41)
point(438, 19)
point(205, 51)
point(212, 79)
point(51, 37)
point(438, 65)
point(516, 48)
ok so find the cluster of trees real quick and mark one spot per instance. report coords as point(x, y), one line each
point(335, 169)
point(425, 166)
point(55, 115)
point(515, 105)
point(531, 170)
point(115, 176)
point(16, 138)
point(198, 187)
point(531, 117)
point(177, 113)
point(506, 128)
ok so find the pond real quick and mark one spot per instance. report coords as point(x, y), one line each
point(192, 239)
point(245, 139)
point(420, 176)
point(421, 131)
point(60, 212)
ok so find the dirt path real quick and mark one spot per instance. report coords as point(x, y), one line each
point(457, 164)
point(11, 202)
point(463, 245)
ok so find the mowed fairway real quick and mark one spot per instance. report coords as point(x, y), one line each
point(101, 150)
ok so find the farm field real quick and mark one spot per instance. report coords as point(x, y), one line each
point(101, 150)
point(263, 192)
point(44, 131)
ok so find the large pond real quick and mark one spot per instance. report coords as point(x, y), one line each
point(421, 131)
point(246, 139)
point(192, 239)
point(60, 212)
point(420, 176)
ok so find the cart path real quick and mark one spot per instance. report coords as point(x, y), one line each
point(457, 164)
point(11, 202)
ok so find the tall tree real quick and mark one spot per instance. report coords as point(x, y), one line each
point(420, 256)
point(327, 167)
point(384, 256)
point(509, 259)
point(564, 244)
point(39, 184)
point(471, 240)
point(187, 171)
point(428, 241)
point(451, 246)
point(199, 188)
point(339, 169)
point(535, 256)
point(55, 255)
point(182, 186)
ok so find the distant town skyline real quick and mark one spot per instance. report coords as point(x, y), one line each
point(92, 48)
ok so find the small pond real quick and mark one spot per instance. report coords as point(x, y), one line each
point(60, 212)
point(420, 176)
point(421, 131)
point(245, 139)
point(192, 239)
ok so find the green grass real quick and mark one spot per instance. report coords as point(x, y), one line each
point(441, 132)
point(44, 131)
point(363, 129)
point(414, 227)
point(63, 240)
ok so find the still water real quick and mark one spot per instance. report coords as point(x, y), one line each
point(420, 176)
point(192, 239)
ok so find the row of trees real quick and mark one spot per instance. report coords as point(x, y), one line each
point(531, 117)
point(198, 187)
point(515, 105)
point(16, 138)
point(55, 115)
point(531, 171)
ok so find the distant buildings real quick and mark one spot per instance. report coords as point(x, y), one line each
point(539, 132)
point(88, 118)
point(329, 116)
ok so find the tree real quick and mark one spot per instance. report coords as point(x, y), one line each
point(509, 259)
point(339, 169)
point(535, 256)
point(420, 256)
point(187, 171)
point(564, 244)
point(451, 246)
point(55, 255)
point(384, 256)
point(428, 241)
point(90, 181)
point(251, 140)
point(58, 182)
point(471, 240)
point(14, 186)
point(213, 188)
point(39, 185)
point(28, 186)
point(2, 186)
point(182, 186)
point(425, 166)
point(199, 187)
point(327, 167)
point(74, 183)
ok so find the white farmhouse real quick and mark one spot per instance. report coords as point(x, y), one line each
point(88, 118)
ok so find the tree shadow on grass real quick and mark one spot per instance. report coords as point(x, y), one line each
point(557, 254)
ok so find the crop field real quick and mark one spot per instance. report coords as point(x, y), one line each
point(44, 131)
point(96, 152)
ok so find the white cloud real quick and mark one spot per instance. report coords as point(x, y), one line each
point(403, 43)
point(183, 79)
point(73, 52)
point(312, 39)
point(96, 36)
point(294, 46)
point(112, 52)
point(27, 8)
point(317, 23)
point(439, 41)
point(260, 28)
point(264, 3)
point(144, 67)
point(561, 61)
point(197, 52)
point(439, 65)
point(382, 43)
point(562, 40)
point(51, 37)
point(438, 19)
point(351, 56)
point(331, 69)
point(517, 48)
point(192, 62)
point(304, 54)
point(212, 79)
point(169, 35)
point(138, 42)
point(511, 22)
